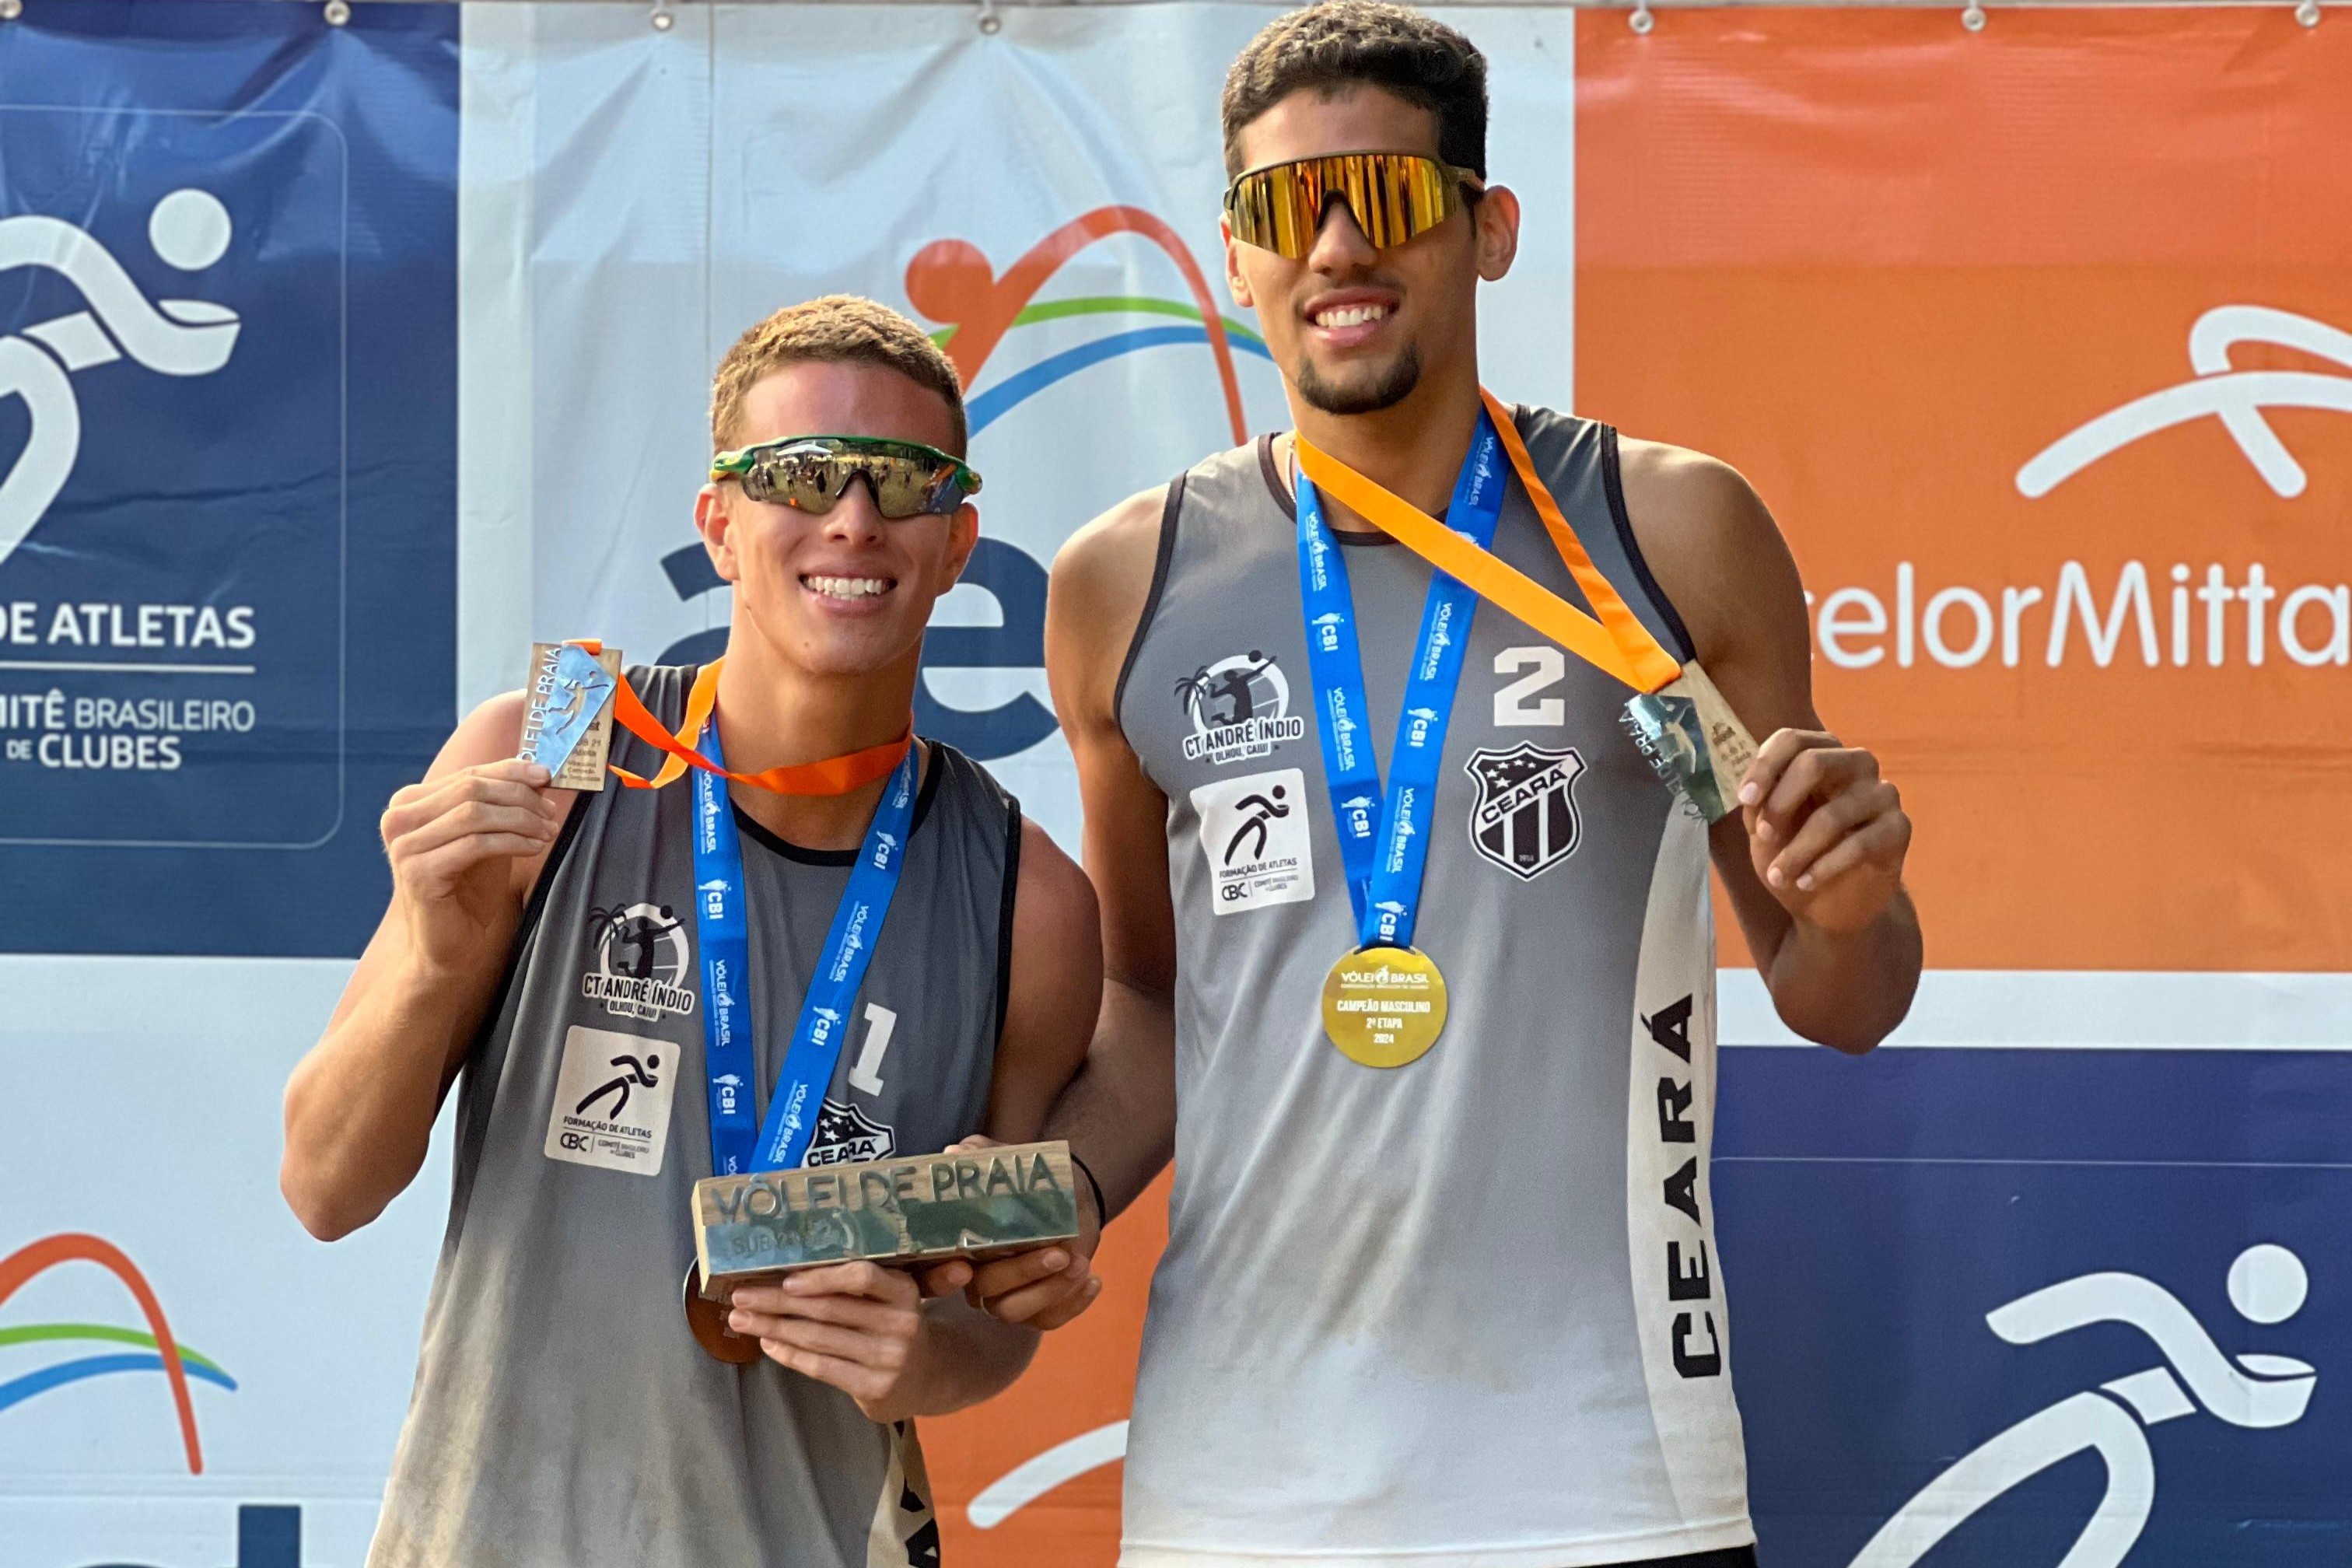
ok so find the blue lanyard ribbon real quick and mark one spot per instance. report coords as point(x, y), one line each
point(1383, 854)
point(783, 1138)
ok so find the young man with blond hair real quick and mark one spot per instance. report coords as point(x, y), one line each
point(551, 946)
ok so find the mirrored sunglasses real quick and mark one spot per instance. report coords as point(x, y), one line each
point(1392, 196)
point(810, 473)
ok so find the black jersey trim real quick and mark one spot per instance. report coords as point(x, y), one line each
point(770, 841)
point(1349, 538)
point(472, 1134)
point(1004, 914)
point(565, 837)
point(1272, 471)
point(1613, 482)
point(1170, 510)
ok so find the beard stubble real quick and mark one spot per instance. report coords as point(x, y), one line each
point(1393, 386)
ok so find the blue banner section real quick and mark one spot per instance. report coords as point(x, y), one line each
point(1985, 1301)
point(228, 466)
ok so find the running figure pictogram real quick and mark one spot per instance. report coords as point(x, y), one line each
point(640, 1073)
point(190, 230)
point(1267, 811)
point(2267, 1285)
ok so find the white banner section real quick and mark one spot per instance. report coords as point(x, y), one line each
point(1044, 198)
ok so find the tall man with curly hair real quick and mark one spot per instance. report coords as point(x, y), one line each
point(1434, 1052)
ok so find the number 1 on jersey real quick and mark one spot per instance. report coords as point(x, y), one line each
point(866, 1074)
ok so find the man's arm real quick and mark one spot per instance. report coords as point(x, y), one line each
point(1120, 1113)
point(865, 1328)
point(465, 847)
point(1813, 860)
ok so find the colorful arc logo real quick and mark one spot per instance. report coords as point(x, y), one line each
point(951, 280)
point(153, 1349)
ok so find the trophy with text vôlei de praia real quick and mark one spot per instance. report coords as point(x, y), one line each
point(918, 1209)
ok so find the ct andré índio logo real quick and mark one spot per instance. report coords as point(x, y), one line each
point(639, 962)
point(1240, 709)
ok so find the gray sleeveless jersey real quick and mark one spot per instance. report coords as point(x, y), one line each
point(563, 1416)
point(1466, 1310)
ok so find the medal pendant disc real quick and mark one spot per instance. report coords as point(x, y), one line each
point(1383, 1006)
point(708, 1320)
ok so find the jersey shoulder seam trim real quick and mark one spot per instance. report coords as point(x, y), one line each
point(1004, 915)
point(1613, 484)
point(1272, 473)
point(1170, 510)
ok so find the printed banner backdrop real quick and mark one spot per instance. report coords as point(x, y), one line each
point(2057, 1261)
point(2036, 341)
point(228, 355)
point(227, 557)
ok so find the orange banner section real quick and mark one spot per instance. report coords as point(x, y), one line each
point(1078, 1385)
point(2036, 343)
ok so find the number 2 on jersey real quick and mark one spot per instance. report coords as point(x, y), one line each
point(1546, 666)
point(866, 1074)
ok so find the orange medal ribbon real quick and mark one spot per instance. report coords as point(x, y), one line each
point(1617, 643)
point(833, 776)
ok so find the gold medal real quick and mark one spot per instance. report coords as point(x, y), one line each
point(1383, 1006)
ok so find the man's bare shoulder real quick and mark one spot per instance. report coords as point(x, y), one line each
point(1116, 547)
point(1055, 984)
point(1055, 898)
point(1678, 494)
point(1095, 600)
point(1710, 542)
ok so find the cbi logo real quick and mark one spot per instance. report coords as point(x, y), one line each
point(729, 1087)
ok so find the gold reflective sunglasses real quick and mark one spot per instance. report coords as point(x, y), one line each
point(1392, 196)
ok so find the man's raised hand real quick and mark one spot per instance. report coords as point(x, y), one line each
point(453, 842)
point(1827, 836)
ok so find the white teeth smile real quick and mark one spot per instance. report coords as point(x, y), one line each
point(1351, 315)
point(848, 587)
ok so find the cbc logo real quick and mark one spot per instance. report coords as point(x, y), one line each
point(1232, 890)
point(576, 1141)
